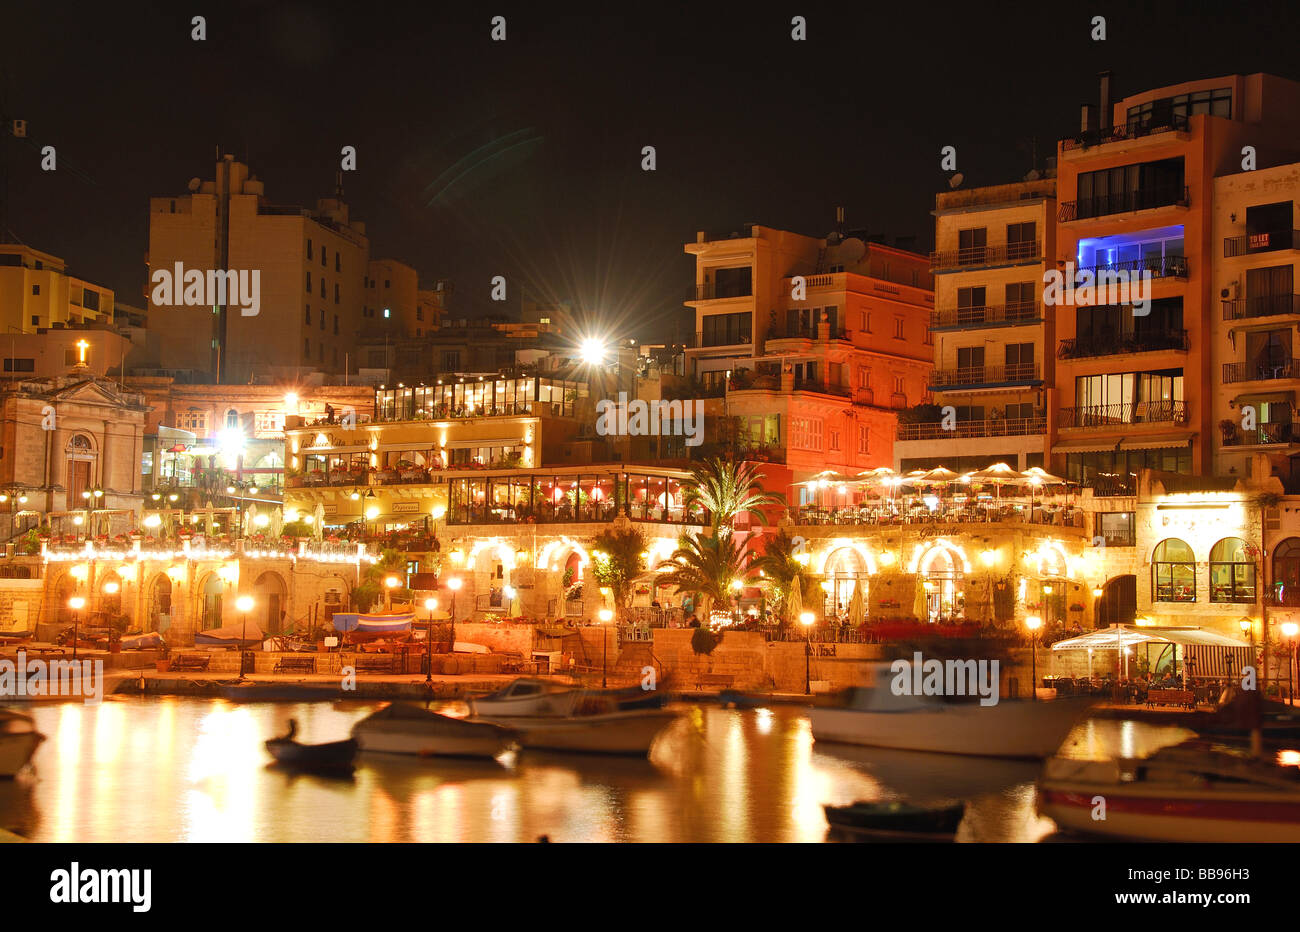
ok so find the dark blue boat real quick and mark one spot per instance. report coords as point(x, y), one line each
point(331, 757)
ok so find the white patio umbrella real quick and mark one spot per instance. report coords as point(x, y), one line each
point(318, 521)
point(794, 601)
point(857, 606)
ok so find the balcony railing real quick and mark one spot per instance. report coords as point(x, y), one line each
point(1141, 412)
point(730, 338)
point(985, 375)
point(1264, 434)
point(809, 385)
point(991, 427)
point(1248, 243)
point(1287, 597)
point(1106, 485)
point(1099, 346)
point(1026, 251)
point(1261, 370)
point(1124, 201)
point(1269, 305)
point(915, 512)
point(1024, 312)
point(1158, 266)
point(836, 331)
point(710, 290)
point(1099, 137)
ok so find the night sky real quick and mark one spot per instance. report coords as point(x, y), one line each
point(522, 158)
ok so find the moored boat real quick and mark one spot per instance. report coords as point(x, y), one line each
point(1191, 792)
point(401, 728)
point(897, 820)
point(332, 756)
point(526, 697)
point(628, 731)
point(19, 740)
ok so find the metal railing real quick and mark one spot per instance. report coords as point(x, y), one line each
point(834, 331)
point(1028, 250)
point(825, 388)
point(1268, 305)
point(1099, 137)
point(738, 338)
point(996, 427)
point(710, 290)
point(1261, 370)
point(1023, 312)
point(1124, 201)
point(1248, 243)
point(984, 375)
point(1005, 512)
point(1111, 486)
point(1158, 266)
point(1265, 433)
point(1141, 412)
point(1089, 347)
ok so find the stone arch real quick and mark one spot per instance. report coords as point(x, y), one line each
point(271, 595)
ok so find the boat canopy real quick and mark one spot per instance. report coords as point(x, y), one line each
point(372, 624)
point(1117, 636)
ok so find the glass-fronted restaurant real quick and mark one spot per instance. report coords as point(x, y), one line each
point(486, 398)
point(545, 498)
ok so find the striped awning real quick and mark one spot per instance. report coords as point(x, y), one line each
point(1156, 442)
point(1084, 446)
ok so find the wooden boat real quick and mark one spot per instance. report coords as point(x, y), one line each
point(627, 732)
point(896, 820)
point(402, 728)
point(526, 697)
point(1193, 792)
point(874, 716)
point(333, 756)
point(251, 691)
point(19, 740)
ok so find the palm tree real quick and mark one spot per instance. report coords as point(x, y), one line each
point(726, 489)
point(779, 565)
point(706, 567)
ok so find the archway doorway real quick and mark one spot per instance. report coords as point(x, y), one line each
point(269, 593)
point(1118, 602)
point(211, 594)
point(159, 608)
point(942, 582)
point(845, 570)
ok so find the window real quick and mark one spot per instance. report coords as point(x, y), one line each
point(898, 384)
point(232, 419)
point(387, 313)
point(306, 348)
point(36, 289)
point(20, 365)
point(864, 377)
point(866, 322)
point(387, 283)
point(727, 329)
point(36, 320)
point(419, 313)
point(90, 300)
point(322, 255)
point(1173, 572)
point(1021, 240)
point(1019, 359)
point(309, 283)
point(196, 421)
point(70, 357)
point(834, 438)
point(308, 315)
point(806, 433)
point(1020, 300)
point(336, 353)
point(450, 360)
point(1117, 529)
point(322, 318)
point(970, 357)
point(971, 246)
point(336, 292)
point(1130, 187)
point(338, 266)
point(1161, 112)
point(336, 324)
point(308, 247)
point(898, 328)
point(864, 438)
point(268, 422)
point(731, 283)
point(1232, 572)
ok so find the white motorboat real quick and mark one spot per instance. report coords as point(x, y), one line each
point(874, 716)
point(19, 740)
point(1187, 792)
point(401, 728)
point(527, 697)
point(631, 731)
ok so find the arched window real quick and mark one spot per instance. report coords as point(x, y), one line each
point(1286, 572)
point(81, 469)
point(1232, 572)
point(1173, 572)
point(232, 419)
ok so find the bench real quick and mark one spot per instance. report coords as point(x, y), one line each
point(302, 663)
point(190, 663)
point(1182, 697)
point(721, 680)
point(374, 663)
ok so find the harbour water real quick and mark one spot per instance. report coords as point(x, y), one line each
point(177, 769)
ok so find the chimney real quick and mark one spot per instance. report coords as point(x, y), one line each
point(1106, 109)
point(1085, 118)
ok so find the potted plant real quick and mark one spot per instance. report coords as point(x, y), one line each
point(117, 626)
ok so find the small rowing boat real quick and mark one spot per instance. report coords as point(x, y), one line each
point(333, 756)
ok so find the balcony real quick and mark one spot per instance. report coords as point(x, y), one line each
point(1111, 485)
point(989, 315)
point(1267, 433)
point(1118, 415)
point(1283, 597)
point(1158, 266)
point(710, 291)
point(1000, 427)
point(825, 388)
point(1270, 305)
point(1124, 202)
point(1092, 347)
point(982, 376)
point(976, 256)
point(787, 331)
point(957, 512)
point(1261, 370)
point(1251, 243)
point(727, 338)
point(1174, 123)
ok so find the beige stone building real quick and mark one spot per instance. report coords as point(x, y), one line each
point(36, 291)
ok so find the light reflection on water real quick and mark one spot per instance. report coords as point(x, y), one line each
point(175, 769)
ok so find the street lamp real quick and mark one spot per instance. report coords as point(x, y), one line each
point(391, 583)
point(806, 619)
point(429, 606)
point(245, 605)
point(606, 616)
point(76, 603)
point(454, 584)
point(1033, 623)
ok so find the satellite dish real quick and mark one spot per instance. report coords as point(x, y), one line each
point(194, 184)
point(851, 250)
point(956, 180)
point(1033, 175)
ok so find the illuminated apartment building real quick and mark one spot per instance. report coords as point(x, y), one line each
point(811, 346)
point(992, 345)
point(37, 292)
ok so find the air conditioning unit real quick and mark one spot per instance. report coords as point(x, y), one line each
point(1231, 292)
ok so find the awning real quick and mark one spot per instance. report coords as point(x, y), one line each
point(1156, 442)
point(332, 451)
point(1265, 398)
point(1084, 446)
point(1129, 635)
point(424, 447)
point(498, 442)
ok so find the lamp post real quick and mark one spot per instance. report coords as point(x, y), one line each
point(605, 616)
point(806, 619)
point(1033, 623)
point(1289, 631)
point(76, 603)
point(390, 583)
point(429, 606)
point(244, 604)
point(454, 584)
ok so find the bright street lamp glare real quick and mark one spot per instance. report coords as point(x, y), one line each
point(76, 603)
point(592, 351)
point(454, 583)
point(244, 603)
point(430, 604)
